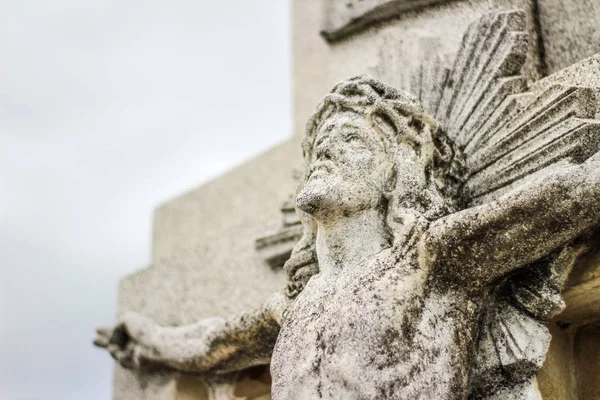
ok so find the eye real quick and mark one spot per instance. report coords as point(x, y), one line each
point(353, 138)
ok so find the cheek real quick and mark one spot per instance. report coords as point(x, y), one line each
point(375, 167)
point(367, 177)
point(411, 177)
point(360, 163)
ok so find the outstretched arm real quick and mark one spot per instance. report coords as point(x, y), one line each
point(480, 244)
point(213, 345)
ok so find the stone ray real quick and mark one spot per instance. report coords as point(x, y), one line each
point(532, 121)
point(500, 343)
point(416, 81)
point(498, 50)
point(474, 55)
point(426, 91)
point(495, 171)
point(512, 342)
point(508, 168)
point(491, 101)
point(502, 55)
point(500, 117)
point(432, 86)
point(505, 56)
point(495, 194)
point(455, 77)
point(576, 145)
point(502, 64)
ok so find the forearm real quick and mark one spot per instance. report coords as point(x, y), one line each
point(241, 342)
point(216, 345)
point(490, 240)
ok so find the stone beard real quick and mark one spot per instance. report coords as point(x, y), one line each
point(389, 284)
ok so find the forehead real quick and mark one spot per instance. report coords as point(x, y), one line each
point(344, 120)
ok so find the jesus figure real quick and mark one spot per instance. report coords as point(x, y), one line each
point(389, 283)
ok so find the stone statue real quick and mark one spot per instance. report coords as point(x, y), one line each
point(409, 281)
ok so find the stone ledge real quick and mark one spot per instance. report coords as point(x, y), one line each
point(344, 17)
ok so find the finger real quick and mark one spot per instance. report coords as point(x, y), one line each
point(101, 341)
point(113, 349)
point(125, 357)
point(104, 331)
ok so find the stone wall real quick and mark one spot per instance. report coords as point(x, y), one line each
point(569, 31)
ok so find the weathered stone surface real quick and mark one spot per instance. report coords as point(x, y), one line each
point(582, 73)
point(569, 31)
point(407, 42)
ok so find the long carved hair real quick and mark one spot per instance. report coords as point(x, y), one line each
point(400, 118)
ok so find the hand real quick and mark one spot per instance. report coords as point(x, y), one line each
point(131, 342)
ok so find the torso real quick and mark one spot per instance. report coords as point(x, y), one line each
point(379, 330)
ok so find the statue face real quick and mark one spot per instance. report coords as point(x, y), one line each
point(348, 170)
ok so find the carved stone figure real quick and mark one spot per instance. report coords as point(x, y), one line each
point(436, 240)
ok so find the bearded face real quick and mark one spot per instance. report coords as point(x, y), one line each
point(354, 164)
point(348, 168)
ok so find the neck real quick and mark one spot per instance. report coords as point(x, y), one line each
point(346, 241)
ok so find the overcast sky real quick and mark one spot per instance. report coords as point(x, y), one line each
point(108, 108)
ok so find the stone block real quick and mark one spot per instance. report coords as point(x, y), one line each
point(569, 30)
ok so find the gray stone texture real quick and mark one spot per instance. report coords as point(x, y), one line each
point(569, 30)
point(310, 60)
point(410, 38)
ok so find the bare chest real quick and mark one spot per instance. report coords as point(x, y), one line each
point(381, 321)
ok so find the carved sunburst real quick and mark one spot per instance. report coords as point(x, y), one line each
point(507, 135)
